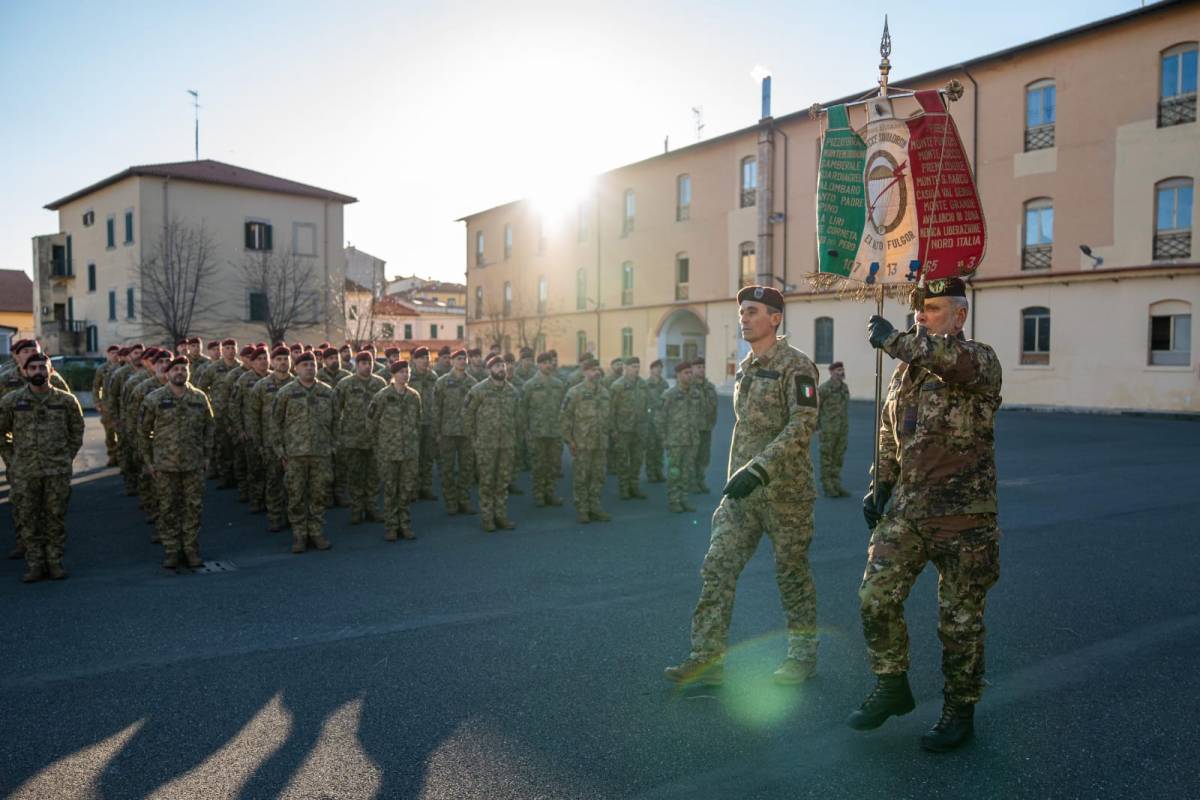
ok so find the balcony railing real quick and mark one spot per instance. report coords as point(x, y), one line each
point(1176, 244)
point(1039, 137)
point(1177, 110)
point(681, 291)
point(60, 270)
point(747, 199)
point(1036, 256)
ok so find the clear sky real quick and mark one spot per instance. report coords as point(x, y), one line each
point(428, 111)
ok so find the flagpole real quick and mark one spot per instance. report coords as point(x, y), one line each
point(885, 66)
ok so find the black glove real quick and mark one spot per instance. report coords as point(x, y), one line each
point(742, 483)
point(874, 504)
point(880, 329)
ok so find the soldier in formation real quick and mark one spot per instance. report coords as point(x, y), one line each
point(352, 397)
point(252, 485)
point(456, 462)
point(706, 393)
point(394, 415)
point(656, 385)
point(491, 425)
point(112, 361)
point(305, 430)
point(258, 422)
point(680, 433)
point(422, 380)
point(833, 419)
point(541, 409)
point(587, 426)
point(630, 399)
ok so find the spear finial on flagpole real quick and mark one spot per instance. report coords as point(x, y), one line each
point(885, 66)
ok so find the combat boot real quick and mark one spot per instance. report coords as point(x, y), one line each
point(539, 502)
point(356, 517)
point(505, 524)
point(599, 516)
point(489, 526)
point(514, 489)
point(699, 671)
point(407, 533)
point(890, 697)
point(34, 574)
point(467, 508)
point(956, 726)
point(275, 526)
point(687, 506)
point(171, 561)
point(793, 671)
point(551, 500)
point(390, 536)
point(637, 494)
point(582, 517)
point(56, 571)
point(298, 543)
point(193, 559)
point(18, 551)
point(427, 495)
point(320, 542)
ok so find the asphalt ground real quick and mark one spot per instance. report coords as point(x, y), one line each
point(528, 664)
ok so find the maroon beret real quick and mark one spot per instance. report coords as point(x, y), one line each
point(295, 346)
point(329, 352)
point(307, 356)
point(492, 359)
point(682, 365)
point(508, 358)
point(194, 340)
point(460, 352)
point(280, 350)
point(112, 347)
point(474, 351)
point(36, 358)
point(122, 351)
point(392, 351)
point(544, 358)
point(399, 365)
point(421, 352)
point(23, 344)
point(445, 351)
point(177, 360)
point(363, 355)
point(836, 364)
point(214, 344)
point(258, 353)
point(229, 342)
point(247, 350)
point(656, 363)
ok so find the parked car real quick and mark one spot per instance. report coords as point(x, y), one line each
point(77, 371)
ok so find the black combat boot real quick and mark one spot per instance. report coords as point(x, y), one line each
point(956, 726)
point(890, 697)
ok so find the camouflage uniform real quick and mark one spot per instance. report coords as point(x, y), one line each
point(226, 408)
point(254, 480)
point(132, 394)
point(40, 433)
point(676, 423)
point(456, 463)
point(937, 445)
point(352, 397)
point(612, 462)
point(833, 420)
point(630, 401)
point(586, 421)
point(655, 388)
point(706, 392)
point(775, 413)
point(126, 439)
point(257, 409)
point(177, 440)
point(541, 407)
point(394, 418)
point(521, 375)
point(99, 400)
point(423, 383)
point(477, 373)
point(491, 424)
point(333, 376)
point(210, 384)
point(304, 430)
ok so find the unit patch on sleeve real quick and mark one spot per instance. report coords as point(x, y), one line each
point(806, 391)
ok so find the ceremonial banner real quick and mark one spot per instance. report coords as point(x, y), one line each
point(841, 204)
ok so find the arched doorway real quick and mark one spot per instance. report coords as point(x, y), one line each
point(681, 336)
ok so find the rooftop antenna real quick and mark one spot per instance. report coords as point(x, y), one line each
point(196, 110)
point(698, 114)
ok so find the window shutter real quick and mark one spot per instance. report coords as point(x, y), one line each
point(267, 238)
point(70, 265)
point(249, 236)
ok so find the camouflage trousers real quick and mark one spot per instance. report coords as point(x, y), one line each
point(703, 457)
point(256, 476)
point(681, 460)
point(544, 453)
point(362, 478)
point(180, 497)
point(524, 456)
point(224, 456)
point(400, 482)
point(965, 550)
point(654, 457)
point(241, 465)
point(110, 436)
point(456, 465)
point(494, 469)
point(629, 460)
point(146, 491)
point(737, 527)
point(39, 508)
point(427, 458)
point(307, 480)
point(587, 478)
point(274, 489)
point(833, 449)
point(128, 459)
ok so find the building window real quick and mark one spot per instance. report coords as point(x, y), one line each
point(1171, 334)
point(110, 232)
point(1039, 115)
point(387, 331)
point(1177, 95)
point(352, 314)
point(89, 218)
point(304, 238)
point(479, 248)
point(408, 330)
point(507, 241)
point(1035, 335)
point(747, 264)
point(683, 198)
point(580, 290)
point(582, 224)
point(478, 302)
point(91, 275)
point(507, 299)
point(128, 226)
point(460, 336)
point(626, 342)
point(93, 339)
point(130, 309)
point(630, 213)
point(1173, 219)
point(69, 270)
point(627, 283)
point(257, 307)
point(1039, 234)
point(823, 340)
point(70, 309)
point(433, 330)
point(112, 305)
point(682, 270)
point(258, 236)
point(749, 181)
point(580, 344)
point(543, 295)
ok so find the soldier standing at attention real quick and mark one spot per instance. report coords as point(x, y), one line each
point(558, 460)
point(422, 380)
point(331, 371)
point(41, 430)
point(98, 398)
point(833, 420)
point(305, 430)
point(113, 390)
point(455, 459)
point(195, 355)
point(586, 424)
point(525, 368)
point(770, 490)
point(352, 397)
point(443, 361)
point(230, 414)
point(332, 374)
point(13, 372)
point(937, 464)
point(209, 384)
point(257, 409)
point(394, 417)
point(708, 420)
point(541, 407)
point(156, 365)
point(177, 440)
point(630, 400)
point(656, 385)
point(130, 408)
point(577, 376)
point(490, 422)
point(676, 421)
point(239, 399)
point(475, 367)
point(616, 369)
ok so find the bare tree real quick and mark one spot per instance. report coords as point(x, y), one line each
point(358, 306)
point(284, 292)
point(177, 276)
point(527, 327)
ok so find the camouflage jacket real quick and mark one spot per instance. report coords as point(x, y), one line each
point(333, 377)
point(675, 417)
point(656, 387)
point(235, 412)
point(630, 401)
point(936, 438)
point(381, 370)
point(449, 400)
point(222, 392)
point(98, 381)
point(40, 433)
point(478, 374)
point(586, 416)
point(304, 421)
point(523, 374)
point(257, 407)
point(440, 367)
point(205, 382)
point(541, 406)
point(707, 392)
point(833, 410)
point(423, 383)
point(352, 397)
point(611, 378)
point(775, 413)
point(176, 432)
point(137, 396)
point(131, 400)
point(490, 419)
point(393, 421)
point(112, 389)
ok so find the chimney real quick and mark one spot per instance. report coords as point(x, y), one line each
point(766, 97)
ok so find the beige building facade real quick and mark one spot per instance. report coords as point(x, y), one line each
point(1083, 141)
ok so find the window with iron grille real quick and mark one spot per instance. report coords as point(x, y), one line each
point(507, 299)
point(478, 302)
point(479, 248)
point(580, 344)
point(508, 239)
point(543, 294)
point(1177, 86)
point(627, 284)
point(626, 342)
point(1173, 219)
point(823, 340)
point(580, 290)
point(749, 181)
point(1039, 234)
point(257, 302)
point(1035, 335)
point(747, 264)
point(1040, 102)
point(630, 212)
point(683, 198)
point(682, 270)
point(258, 236)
